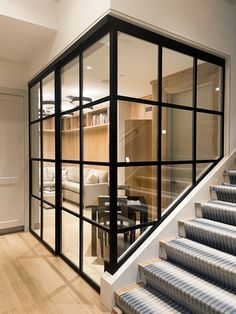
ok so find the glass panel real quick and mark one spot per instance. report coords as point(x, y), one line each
point(137, 195)
point(96, 133)
point(35, 140)
point(49, 138)
point(177, 78)
point(209, 78)
point(95, 191)
point(137, 67)
point(49, 225)
point(208, 136)
point(36, 178)
point(176, 134)
point(70, 237)
point(70, 188)
point(201, 168)
point(70, 85)
point(96, 70)
point(49, 183)
point(35, 215)
point(137, 132)
point(175, 180)
point(35, 102)
point(48, 95)
point(70, 141)
point(95, 251)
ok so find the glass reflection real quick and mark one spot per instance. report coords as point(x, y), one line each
point(35, 102)
point(177, 78)
point(70, 136)
point(176, 134)
point(70, 85)
point(96, 71)
point(35, 215)
point(137, 67)
point(208, 136)
point(137, 132)
point(209, 84)
point(48, 92)
point(70, 237)
point(175, 180)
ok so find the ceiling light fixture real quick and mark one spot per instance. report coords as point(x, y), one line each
point(217, 89)
point(88, 67)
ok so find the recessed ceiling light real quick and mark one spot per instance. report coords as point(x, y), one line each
point(164, 132)
point(217, 89)
point(88, 67)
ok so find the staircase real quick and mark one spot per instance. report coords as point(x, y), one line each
point(196, 271)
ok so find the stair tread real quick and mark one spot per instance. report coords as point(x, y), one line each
point(221, 204)
point(191, 287)
point(227, 186)
point(212, 225)
point(204, 253)
point(145, 299)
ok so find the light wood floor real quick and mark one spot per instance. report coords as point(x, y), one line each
point(32, 280)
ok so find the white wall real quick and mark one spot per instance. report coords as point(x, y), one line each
point(75, 17)
point(209, 23)
point(43, 12)
point(13, 75)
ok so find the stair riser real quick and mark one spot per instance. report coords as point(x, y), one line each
point(204, 268)
point(212, 239)
point(193, 305)
point(226, 196)
point(218, 214)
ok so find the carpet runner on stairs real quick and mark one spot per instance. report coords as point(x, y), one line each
point(196, 272)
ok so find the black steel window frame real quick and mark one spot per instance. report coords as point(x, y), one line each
point(111, 25)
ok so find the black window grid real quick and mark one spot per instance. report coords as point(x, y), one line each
point(112, 26)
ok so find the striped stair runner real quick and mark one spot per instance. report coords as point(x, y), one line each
point(196, 271)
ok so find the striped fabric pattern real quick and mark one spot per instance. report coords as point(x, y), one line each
point(226, 193)
point(211, 263)
point(148, 301)
point(219, 211)
point(198, 273)
point(232, 176)
point(198, 295)
point(212, 233)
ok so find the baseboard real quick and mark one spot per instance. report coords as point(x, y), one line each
point(11, 230)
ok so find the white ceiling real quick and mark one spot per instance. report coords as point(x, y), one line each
point(21, 40)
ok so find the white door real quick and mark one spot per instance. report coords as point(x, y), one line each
point(12, 164)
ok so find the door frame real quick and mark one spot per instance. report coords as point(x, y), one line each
point(24, 94)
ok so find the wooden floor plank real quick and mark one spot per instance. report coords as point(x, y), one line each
point(32, 280)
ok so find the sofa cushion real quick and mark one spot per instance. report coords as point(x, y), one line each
point(102, 176)
point(71, 186)
point(73, 174)
point(48, 174)
point(92, 177)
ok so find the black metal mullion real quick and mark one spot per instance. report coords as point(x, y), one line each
point(222, 142)
point(112, 265)
point(81, 143)
point(194, 123)
point(41, 161)
point(58, 161)
point(30, 161)
point(159, 144)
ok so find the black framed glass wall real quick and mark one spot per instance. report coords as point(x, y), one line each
point(42, 161)
point(126, 123)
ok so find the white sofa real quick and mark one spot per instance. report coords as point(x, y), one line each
point(95, 183)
